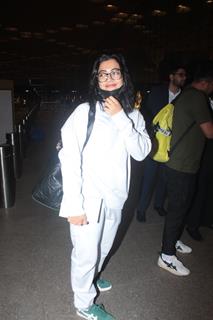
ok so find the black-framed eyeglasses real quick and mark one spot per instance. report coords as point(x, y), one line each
point(115, 74)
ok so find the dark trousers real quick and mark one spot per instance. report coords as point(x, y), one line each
point(180, 190)
point(153, 178)
point(198, 205)
point(201, 211)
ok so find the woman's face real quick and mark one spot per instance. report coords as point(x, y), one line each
point(109, 75)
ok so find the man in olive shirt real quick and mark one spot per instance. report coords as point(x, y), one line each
point(191, 111)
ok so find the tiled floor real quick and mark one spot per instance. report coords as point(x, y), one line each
point(35, 258)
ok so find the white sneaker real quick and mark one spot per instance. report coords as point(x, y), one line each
point(181, 247)
point(174, 266)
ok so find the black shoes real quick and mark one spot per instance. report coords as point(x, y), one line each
point(161, 211)
point(194, 234)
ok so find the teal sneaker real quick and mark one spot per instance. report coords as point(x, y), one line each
point(95, 312)
point(103, 285)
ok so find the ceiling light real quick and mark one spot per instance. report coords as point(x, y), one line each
point(136, 16)
point(98, 23)
point(122, 15)
point(111, 7)
point(147, 31)
point(139, 27)
point(81, 26)
point(209, 1)
point(116, 20)
point(12, 29)
point(38, 35)
point(182, 9)
point(26, 34)
point(66, 29)
point(51, 31)
point(133, 18)
point(130, 21)
point(158, 13)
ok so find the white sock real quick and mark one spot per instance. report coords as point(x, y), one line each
point(167, 257)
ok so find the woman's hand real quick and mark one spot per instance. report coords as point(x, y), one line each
point(112, 105)
point(78, 220)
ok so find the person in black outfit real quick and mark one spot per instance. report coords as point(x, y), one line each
point(154, 176)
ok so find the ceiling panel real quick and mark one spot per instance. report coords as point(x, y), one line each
point(56, 40)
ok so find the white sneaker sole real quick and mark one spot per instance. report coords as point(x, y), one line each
point(81, 315)
point(162, 265)
point(104, 289)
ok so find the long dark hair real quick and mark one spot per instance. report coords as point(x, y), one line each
point(126, 96)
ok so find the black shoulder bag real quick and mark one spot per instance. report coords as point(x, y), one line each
point(49, 190)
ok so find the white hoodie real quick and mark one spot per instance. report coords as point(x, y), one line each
point(102, 172)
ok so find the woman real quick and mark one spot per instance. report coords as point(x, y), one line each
point(96, 180)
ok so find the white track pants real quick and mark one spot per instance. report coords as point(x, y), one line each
point(91, 245)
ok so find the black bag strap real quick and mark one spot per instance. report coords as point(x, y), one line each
point(91, 119)
point(181, 137)
point(185, 132)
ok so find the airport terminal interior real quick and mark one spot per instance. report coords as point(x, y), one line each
point(46, 51)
